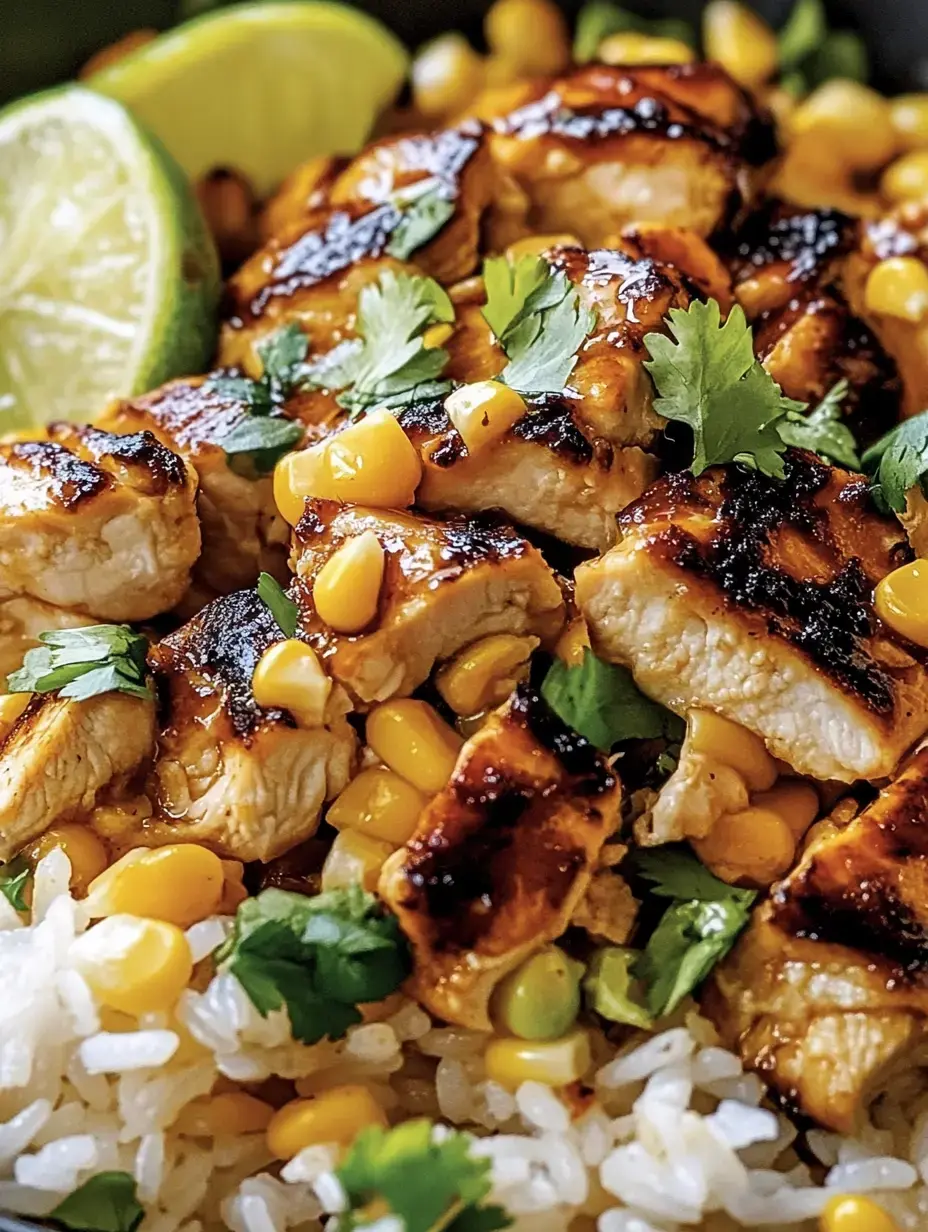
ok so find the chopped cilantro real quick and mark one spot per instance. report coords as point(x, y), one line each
point(426, 208)
point(14, 877)
point(82, 663)
point(602, 702)
point(428, 1178)
point(707, 376)
point(320, 956)
point(898, 462)
point(281, 606)
point(609, 987)
point(106, 1202)
point(601, 18)
point(823, 430)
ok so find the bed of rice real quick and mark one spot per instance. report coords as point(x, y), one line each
point(673, 1134)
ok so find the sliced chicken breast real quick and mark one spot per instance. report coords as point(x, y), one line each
point(501, 858)
point(753, 597)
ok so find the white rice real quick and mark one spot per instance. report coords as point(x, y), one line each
point(674, 1135)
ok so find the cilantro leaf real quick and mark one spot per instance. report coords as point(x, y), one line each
point(508, 286)
point(898, 462)
point(106, 1202)
point(601, 18)
point(706, 376)
point(282, 354)
point(810, 53)
point(425, 1180)
point(803, 33)
point(608, 987)
point(85, 662)
point(14, 877)
point(423, 217)
point(602, 702)
point(255, 446)
point(823, 430)
point(319, 956)
point(281, 606)
point(694, 933)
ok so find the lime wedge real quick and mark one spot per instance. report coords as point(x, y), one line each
point(108, 279)
point(261, 87)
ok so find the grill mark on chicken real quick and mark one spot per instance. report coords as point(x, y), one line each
point(803, 240)
point(160, 467)
point(72, 480)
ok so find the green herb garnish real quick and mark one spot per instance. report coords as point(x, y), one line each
point(602, 702)
point(14, 877)
point(82, 663)
point(810, 53)
point(104, 1203)
point(429, 1182)
point(898, 462)
point(320, 956)
point(281, 606)
point(600, 19)
point(694, 933)
point(823, 430)
point(609, 987)
point(426, 207)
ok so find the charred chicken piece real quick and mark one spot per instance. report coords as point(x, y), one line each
point(501, 857)
point(753, 597)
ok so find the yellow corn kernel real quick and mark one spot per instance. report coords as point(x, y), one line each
point(374, 463)
point(336, 1116)
point(634, 48)
point(535, 245)
point(446, 74)
point(901, 601)
point(485, 673)
point(573, 642)
point(740, 41)
point(231, 1112)
point(483, 412)
point(436, 336)
point(898, 287)
point(379, 804)
point(754, 846)
point(907, 178)
point(796, 802)
point(299, 475)
point(134, 965)
point(530, 34)
point(179, 884)
point(855, 1213)
point(846, 123)
point(410, 738)
point(734, 746)
point(87, 855)
point(354, 859)
point(290, 677)
point(12, 706)
point(553, 1062)
point(910, 120)
point(346, 591)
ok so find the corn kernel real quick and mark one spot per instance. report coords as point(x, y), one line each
point(436, 336)
point(734, 746)
point(346, 592)
point(85, 852)
point(907, 178)
point(299, 475)
point(483, 412)
point(573, 642)
point(855, 1213)
point(134, 965)
point(846, 123)
point(446, 74)
point(374, 463)
point(740, 41)
point(485, 673)
point(553, 1062)
point(12, 706)
point(634, 48)
point(535, 245)
point(410, 738)
point(354, 859)
point(755, 846)
point(380, 804)
point(910, 120)
point(797, 803)
point(179, 884)
point(898, 287)
point(231, 1112)
point(335, 1116)
point(901, 601)
point(531, 34)
point(290, 677)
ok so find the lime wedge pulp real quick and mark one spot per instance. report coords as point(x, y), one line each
point(261, 87)
point(108, 278)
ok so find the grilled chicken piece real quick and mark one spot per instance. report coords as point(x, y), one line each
point(245, 780)
point(825, 995)
point(700, 791)
point(99, 523)
point(60, 755)
point(605, 147)
point(242, 531)
point(446, 584)
point(501, 857)
point(752, 597)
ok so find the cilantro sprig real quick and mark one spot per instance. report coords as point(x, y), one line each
point(389, 363)
point(698, 929)
point(601, 18)
point(602, 702)
point(278, 603)
point(538, 319)
point(82, 663)
point(426, 207)
point(823, 430)
point(106, 1202)
point(14, 877)
point(320, 957)
point(898, 462)
point(428, 1180)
